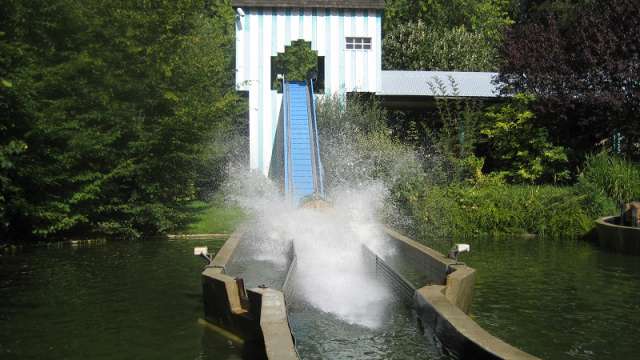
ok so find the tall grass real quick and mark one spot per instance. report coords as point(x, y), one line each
point(611, 176)
point(460, 211)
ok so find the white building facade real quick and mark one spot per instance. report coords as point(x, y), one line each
point(347, 34)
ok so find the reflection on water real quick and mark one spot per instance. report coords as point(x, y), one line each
point(558, 299)
point(141, 300)
point(119, 300)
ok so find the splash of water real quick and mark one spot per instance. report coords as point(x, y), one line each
point(332, 273)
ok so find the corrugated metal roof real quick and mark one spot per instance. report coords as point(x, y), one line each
point(353, 4)
point(438, 83)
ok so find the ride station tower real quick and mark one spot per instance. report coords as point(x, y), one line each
point(347, 37)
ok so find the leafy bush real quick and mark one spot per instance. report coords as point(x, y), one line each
point(580, 59)
point(357, 148)
point(336, 114)
point(518, 148)
point(492, 207)
point(459, 119)
point(115, 119)
point(612, 177)
point(444, 34)
point(416, 46)
point(488, 17)
point(296, 63)
point(460, 210)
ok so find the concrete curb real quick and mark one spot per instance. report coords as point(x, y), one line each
point(618, 238)
point(458, 278)
point(461, 335)
point(226, 251)
point(278, 341)
point(258, 316)
point(196, 236)
point(443, 305)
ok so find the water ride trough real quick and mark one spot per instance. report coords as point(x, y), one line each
point(258, 315)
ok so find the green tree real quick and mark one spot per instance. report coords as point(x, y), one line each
point(520, 150)
point(415, 46)
point(580, 59)
point(486, 16)
point(119, 101)
point(444, 35)
point(296, 62)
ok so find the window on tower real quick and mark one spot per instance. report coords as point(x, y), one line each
point(358, 43)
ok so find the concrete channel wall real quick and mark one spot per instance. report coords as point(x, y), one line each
point(618, 238)
point(437, 269)
point(258, 315)
point(444, 302)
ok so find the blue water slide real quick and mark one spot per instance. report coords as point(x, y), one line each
point(303, 176)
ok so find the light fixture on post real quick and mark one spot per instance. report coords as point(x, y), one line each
point(458, 249)
point(204, 252)
point(239, 16)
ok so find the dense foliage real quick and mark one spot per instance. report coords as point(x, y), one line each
point(114, 117)
point(444, 193)
point(518, 149)
point(610, 177)
point(416, 46)
point(357, 148)
point(443, 34)
point(107, 112)
point(458, 211)
point(463, 169)
point(581, 62)
point(485, 16)
point(491, 206)
point(297, 61)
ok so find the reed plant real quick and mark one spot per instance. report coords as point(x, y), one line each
point(611, 176)
point(461, 210)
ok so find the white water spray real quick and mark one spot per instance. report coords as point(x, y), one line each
point(332, 273)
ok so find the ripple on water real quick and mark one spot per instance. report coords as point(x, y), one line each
point(118, 300)
point(558, 299)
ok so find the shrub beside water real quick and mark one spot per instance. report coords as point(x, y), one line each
point(440, 202)
point(612, 177)
point(460, 211)
point(492, 207)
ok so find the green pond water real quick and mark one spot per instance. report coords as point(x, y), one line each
point(558, 299)
point(117, 300)
point(142, 300)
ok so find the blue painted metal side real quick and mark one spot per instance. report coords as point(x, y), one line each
point(314, 118)
point(296, 158)
point(301, 151)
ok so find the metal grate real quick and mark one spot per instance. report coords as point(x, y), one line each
point(402, 286)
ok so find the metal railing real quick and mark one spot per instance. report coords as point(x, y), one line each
point(286, 126)
point(314, 122)
point(287, 291)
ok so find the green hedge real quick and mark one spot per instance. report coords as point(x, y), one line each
point(461, 210)
point(611, 176)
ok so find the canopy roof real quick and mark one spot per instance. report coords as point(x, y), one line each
point(438, 83)
point(353, 4)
